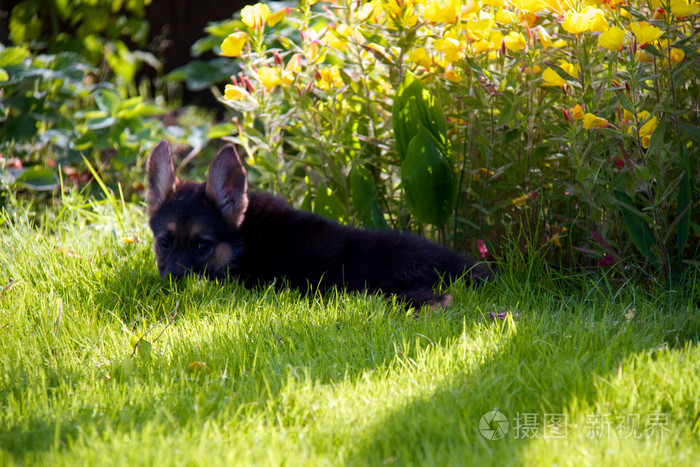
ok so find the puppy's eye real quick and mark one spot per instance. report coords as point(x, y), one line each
point(164, 243)
point(203, 246)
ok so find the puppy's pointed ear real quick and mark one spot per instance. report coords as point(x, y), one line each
point(161, 176)
point(227, 185)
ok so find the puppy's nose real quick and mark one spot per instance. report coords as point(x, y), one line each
point(173, 271)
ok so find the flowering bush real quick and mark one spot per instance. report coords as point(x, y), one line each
point(574, 121)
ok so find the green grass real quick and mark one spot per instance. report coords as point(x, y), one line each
point(336, 379)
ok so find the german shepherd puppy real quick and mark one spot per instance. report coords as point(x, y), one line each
point(218, 228)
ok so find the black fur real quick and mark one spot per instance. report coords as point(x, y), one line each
point(202, 229)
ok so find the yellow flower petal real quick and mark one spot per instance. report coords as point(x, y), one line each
point(420, 57)
point(577, 112)
point(590, 121)
point(277, 16)
point(649, 125)
point(233, 93)
point(596, 20)
point(544, 37)
point(552, 78)
point(269, 77)
point(575, 23)
point(442, 11)
point(681, 8)
point(233, 44)
point(612, 39)
point(644, 32)
point(254, 16)
point(515, 41)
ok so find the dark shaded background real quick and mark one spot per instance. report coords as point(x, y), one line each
point(174, 24)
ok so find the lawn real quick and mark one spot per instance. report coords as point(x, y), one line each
point(583, 369)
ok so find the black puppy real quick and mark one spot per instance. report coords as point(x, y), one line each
point(217, 228)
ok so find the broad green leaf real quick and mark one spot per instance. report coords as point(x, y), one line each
point(415, 106)
point(363, 195)
point(428, 180)
point(13, 56)
point(37, 179)
point(638, 230)
point(328, 205)
point(220, 130)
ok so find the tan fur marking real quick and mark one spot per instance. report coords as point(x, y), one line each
point(195, 230)
point(222, 257)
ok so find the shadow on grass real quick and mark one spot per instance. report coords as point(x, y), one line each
point(539, 369)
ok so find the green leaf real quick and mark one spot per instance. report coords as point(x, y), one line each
point(199, 74)
point(414, 107)
point(691, 130)
point(328, 205)
point(363, 195)
point(37, 179)
point(100, 123)
point(13, 56)
point(638, 230)
point(428, 180)
point(145, 349)
point(657, 138)
point(220, 130)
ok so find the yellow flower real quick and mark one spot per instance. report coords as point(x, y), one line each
point(529, 6)
point(596, 20)
point(590, 122)
point(522, 200)
point(590, 19)
point(450, 46)
point(552, 78)
point(329, 78)
point(420, 57)
point(681, 8)
point(612, 39)
point(553, 5)
point(233, 93)
point(254, 16)
point(441, 11)
point(645, 32)
point(277, 16)
point(647, 128)
point(293, 67)
point(575, 23)
point(677, 56)
point(515, 41)
point(269, 77)
point(233, 44)
point(338, 38)
point(569, 68)
point(477, 30)
point(452, 75)
point(504, 16)
point(577, 112)
point(641, 56)
point(544, 37)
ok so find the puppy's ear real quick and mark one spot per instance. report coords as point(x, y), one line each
point(227, 185)
point(161, 176)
